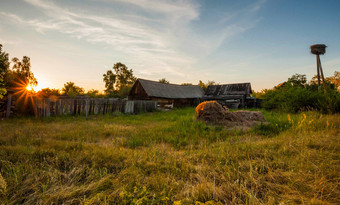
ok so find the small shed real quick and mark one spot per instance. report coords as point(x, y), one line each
point(166, 94)
point(234, 96)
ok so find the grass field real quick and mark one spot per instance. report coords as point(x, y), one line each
point(169, 158)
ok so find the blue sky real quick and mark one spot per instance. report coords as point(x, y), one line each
point(260, 41)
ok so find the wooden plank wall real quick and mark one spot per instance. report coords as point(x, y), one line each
point(90, 106)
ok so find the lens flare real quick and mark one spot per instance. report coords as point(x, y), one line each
point(30, 88)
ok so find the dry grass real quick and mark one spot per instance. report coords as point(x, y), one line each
point(169, 158)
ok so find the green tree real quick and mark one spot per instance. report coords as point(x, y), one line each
point(72, 90)
point(92, 93)
point(204, 86)
point(110, 80)
point(119, 80)
point(163, 80)
point(334, 80)
point(16, 80)
point(296, 95)
point(4, 67)
point(21, 75)
point(186, 83)
point(47, 92)
point(297, 80)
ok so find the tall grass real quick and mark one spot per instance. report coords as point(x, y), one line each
point(169, 158)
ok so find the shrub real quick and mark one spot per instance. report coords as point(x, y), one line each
point(295, 95)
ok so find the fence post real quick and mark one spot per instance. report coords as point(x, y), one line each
point(47, 107)
point(96, 107)
point(87, 107)
point(129, 106)
point(9, 101)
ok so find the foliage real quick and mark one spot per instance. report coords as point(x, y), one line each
point(4, 62)
point(120, 160)
point(163, 80)
point(3, 90)
point(186, 83)
point(204, 86)
point(16, 80)
point(332, 80)
point(93, 93)
point(297, 80)
point(47, 92)
point(72, 90)
point(4, 66)
point(117, 82)
point(21, 72)
point(296, 95)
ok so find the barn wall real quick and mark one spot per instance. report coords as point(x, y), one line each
point(138, 93)
point(163, 102)
point(186, 102)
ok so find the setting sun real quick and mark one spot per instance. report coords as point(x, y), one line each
point(30, 88)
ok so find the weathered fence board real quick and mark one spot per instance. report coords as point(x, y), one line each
point(46, 107)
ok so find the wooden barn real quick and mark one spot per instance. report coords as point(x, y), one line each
point(167, 95)
point(232, 95)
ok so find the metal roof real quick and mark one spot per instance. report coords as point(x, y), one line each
point(228, 89)
point(163, 90)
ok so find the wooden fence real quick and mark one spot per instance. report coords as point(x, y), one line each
point(90, 106)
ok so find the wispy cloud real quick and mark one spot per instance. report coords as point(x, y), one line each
point(165, 42)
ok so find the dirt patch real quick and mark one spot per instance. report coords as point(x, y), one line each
point(213, 113)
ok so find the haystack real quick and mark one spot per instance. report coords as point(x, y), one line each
point(213, 113)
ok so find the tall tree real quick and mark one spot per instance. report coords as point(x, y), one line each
point(47, 92)
point(4, 66)
point(72, 90)
point(16, 80)
point(163, 80)
point(110, 80)
point(335, 79)
point(204, 86)
point(118, 80)
point(297, 80)
point(92, 93)
point(21, 75)
point(186, 83)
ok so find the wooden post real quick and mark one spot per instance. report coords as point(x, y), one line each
point(47, 107)
point(87, 107)
point(9, 103)
point(95, 109)
point(318, 70)
point(35, 107)
point(44, 108)
point(129, 107)
point(55, 108)
point(323, 78)
point(60, 108)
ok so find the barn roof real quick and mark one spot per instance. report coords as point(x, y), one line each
point(163, 90)
point(228, 89)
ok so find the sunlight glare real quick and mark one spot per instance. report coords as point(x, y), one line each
point(30, 88)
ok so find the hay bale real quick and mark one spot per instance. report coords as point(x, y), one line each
point(213, 113)
point(318, 49)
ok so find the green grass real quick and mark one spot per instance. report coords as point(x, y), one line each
point(169, 158)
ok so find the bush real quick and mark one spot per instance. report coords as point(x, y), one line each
point(295, 95)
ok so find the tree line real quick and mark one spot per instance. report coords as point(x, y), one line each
point(118, 81)
point(293, 95)
point(296, 94)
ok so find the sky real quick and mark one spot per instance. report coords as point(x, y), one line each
point(263, 42)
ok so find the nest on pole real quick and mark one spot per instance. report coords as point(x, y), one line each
point(318, 49)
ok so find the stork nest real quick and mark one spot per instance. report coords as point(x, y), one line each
point(318, 49)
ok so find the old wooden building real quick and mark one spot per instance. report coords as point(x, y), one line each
point(167, 95)
point(232, 95)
